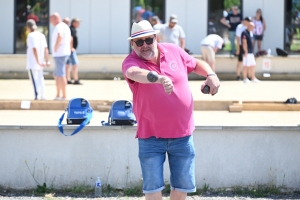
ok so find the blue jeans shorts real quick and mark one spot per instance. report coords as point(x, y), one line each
point(181, 155)
point(60, 66)
point(73, 60)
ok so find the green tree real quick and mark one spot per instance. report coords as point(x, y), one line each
point(230, 3)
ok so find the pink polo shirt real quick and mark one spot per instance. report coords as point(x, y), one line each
point(159, 114)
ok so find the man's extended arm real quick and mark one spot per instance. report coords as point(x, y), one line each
point(203, 69)
point(140, 75)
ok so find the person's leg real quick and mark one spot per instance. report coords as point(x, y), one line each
point(41, 84)
point(245, 69)
point(75, 68)
point(154, 196)
point(68, 69)
point(68, 73)
point(232, 41)
point(253, 64)
point(152, 155)
point(57, 73)
point(75, 72)
point(32, 77)
point(239, 64)
point(181, 155)
point(176, 195)
point(61, 75)
point(254, 43)
point(210, 57)
point(258, 45)
point(57, 87)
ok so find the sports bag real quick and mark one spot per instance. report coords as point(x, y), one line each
point(121, 113)
point(79, 112)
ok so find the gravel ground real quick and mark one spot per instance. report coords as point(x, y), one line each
point(28, 195)
point(140, 198)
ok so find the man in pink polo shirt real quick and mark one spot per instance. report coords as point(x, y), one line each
point(164, 109)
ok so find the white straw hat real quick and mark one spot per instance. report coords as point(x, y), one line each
point(142, 29)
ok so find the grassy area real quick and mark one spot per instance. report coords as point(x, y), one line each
point(136, 191)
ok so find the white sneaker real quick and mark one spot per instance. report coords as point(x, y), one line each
point(57, 98)
point(246, 80)
point(255, 80)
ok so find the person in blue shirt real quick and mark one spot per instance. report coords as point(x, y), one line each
point(148, 14)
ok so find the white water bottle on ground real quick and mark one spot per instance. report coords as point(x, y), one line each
point(269, 52)
point(98, 187)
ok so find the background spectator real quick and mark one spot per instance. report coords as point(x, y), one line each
point(73, 60)
point(172, 33)
point(260, 28)
point(37, 53)
point(157, 25)
point(32, 16)
point(60, 45)
point(248, 56)
point(148, 14)
point(239, 52)
point(209, 47)
point(232, 21)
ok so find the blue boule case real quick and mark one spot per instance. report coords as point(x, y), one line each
point(78, 109)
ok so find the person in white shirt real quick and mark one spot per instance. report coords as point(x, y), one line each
point(259, 30)
point(209, 47)
point(239, 29)
point(172, 33)
point(61, 50)
point(37, 58)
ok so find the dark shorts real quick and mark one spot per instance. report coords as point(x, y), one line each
point(240, 56)
point(258, 37)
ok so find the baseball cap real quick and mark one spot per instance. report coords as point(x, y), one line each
point(31, 24)
point(249, 19)
point(76, 20)
point(173, 18)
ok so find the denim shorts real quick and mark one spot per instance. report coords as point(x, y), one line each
point(181, 155)
point(60, 66)
point(73, 60)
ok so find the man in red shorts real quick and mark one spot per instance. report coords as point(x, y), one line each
point(164, 109)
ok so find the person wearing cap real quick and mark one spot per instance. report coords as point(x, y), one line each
point(239, 29)
point(73, 60)
point(172, 33)
point(60, 47)
point(248, 56)
point(209, 47)
point(155, 21)
point(164, 109)
point(37, 58)
point(232, 20)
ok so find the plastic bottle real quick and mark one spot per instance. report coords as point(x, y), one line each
point(269, 52)
point(98, 187)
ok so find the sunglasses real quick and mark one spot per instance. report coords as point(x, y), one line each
point(148, 41)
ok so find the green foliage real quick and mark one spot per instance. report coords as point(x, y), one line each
point(258, 192)
point(230, 3)
point(135, 191)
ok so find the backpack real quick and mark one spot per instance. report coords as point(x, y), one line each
point(79, 112)
point(121, 113)
point(261, 53)
point(281, 52)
